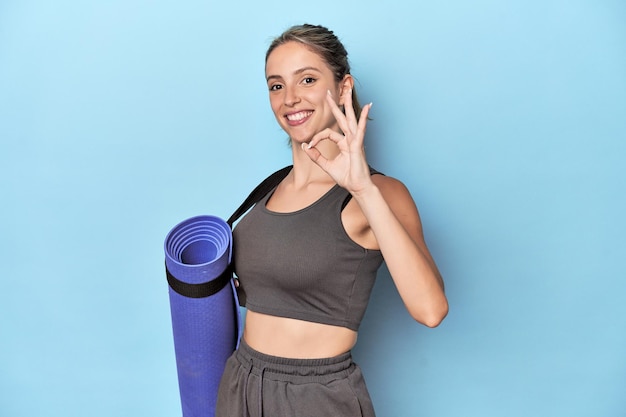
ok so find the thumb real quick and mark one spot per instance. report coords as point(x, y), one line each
point(315, 155)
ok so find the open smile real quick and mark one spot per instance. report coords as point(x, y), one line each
point(298, 118)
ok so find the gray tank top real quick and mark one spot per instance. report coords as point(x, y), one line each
point(303, 265)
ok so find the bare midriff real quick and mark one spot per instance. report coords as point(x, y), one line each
point(291, 338)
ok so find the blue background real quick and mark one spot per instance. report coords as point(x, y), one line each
point(506, 120)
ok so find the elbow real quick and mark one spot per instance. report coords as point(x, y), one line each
point(433, 316)
point(434, 321)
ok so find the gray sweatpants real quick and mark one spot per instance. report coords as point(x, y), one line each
point(257, 385)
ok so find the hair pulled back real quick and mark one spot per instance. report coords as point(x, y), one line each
point(325, 43)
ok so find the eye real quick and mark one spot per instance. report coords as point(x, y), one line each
point(275, 87)
point(308, 80)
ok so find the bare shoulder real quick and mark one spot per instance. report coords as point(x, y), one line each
point(401, 203)
point(387, 182)
point(394, 191)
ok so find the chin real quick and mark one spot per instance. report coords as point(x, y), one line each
point(299, 139)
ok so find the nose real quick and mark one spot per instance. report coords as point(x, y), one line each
point(291, 97)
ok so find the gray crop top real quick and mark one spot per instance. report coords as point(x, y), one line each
point(303, 265)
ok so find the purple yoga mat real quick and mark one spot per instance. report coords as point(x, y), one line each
point(206, 327)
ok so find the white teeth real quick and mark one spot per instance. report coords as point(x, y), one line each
point(298, 116)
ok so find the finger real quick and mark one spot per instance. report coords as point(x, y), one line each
point(315, 155)
point(348, 108)
point(365, 111)
point(342, 122)
point(325, 134)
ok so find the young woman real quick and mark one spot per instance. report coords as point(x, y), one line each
point(307, 254)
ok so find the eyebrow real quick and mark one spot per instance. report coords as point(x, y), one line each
point(296, 72)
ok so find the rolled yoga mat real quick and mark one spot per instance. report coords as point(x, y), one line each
point(204, 307)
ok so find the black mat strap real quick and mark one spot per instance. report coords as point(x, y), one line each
point(259, 192)
point(205, 289)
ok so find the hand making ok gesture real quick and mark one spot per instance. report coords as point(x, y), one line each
point(349, 168)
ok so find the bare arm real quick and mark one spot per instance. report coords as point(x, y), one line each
point(390, 213)
point(395, 223)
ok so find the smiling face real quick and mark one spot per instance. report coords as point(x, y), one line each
point(298, 81)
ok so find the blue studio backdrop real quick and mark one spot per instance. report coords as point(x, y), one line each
point(505, 119)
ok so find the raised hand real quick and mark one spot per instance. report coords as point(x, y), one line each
point(349, 168)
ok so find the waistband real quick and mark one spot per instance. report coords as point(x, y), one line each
point(294, 370)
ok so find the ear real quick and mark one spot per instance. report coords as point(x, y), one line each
point(346, 84)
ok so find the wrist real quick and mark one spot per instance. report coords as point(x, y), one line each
point(367, 192)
